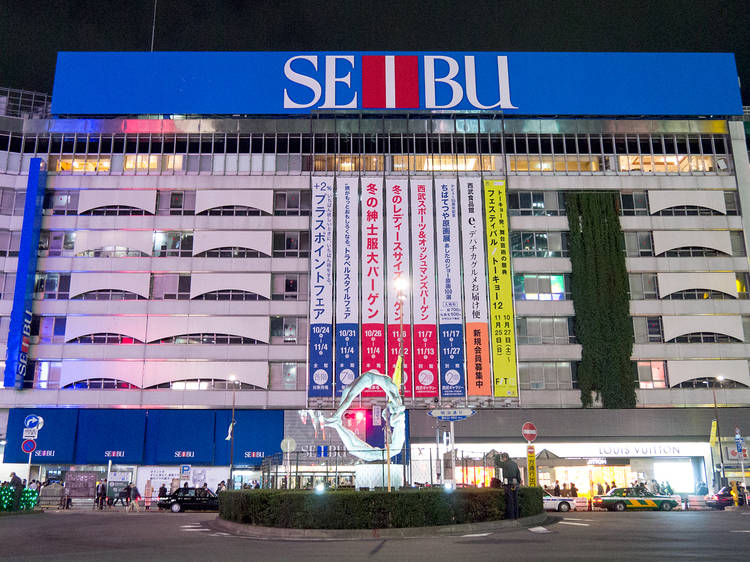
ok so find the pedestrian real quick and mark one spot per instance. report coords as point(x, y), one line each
point(512, 482)
point(573, 490)
point(101, 494)
point(613, 485)
point(17, 484)
point(565, 491)
point(135, 497)
point(557, 488)
point(600, 489)
point(221, 487)
point(185, 485)
point(163, 490)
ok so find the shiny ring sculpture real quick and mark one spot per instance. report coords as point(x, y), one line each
point(396, 417)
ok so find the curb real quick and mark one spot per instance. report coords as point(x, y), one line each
point(270, 533)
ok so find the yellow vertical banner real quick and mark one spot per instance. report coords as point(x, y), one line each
point(500, 280)
point(531, 465)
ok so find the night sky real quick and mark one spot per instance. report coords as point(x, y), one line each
point(31, 31)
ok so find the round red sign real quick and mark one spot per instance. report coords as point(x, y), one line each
point(528, 431)
point(28, 446)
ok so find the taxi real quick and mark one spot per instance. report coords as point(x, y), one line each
point(620, 499)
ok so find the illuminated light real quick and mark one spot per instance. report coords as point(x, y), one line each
point(720, 378)
point(360, 416)
point(320, 488)
point(449, 486)
point(401, 284)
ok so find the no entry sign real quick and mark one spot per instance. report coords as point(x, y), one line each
point(528, 431)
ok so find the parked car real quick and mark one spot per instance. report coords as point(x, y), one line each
point(620, 499)
point(723, 498)
point(190, 498)
point(558, 503)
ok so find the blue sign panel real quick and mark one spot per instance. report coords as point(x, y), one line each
point(55, 443)
point(110, 435)
point(19, 330)
point(302, 82)
point(452, 380)
point(180, 436)
point(257, 434)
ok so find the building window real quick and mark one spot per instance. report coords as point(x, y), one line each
point(112, 252)
point(638, 244)
point(536, 203)
point(79, 164)
point(545, 330)
point(633, 204)
point(743, 282)
point(175, 202)
point(698, 294)
point(52, 286)
point(548, 375)
point(652, 374)
point(177, 244)
point(46, 375)
point(115, 211)
point(204, 384)
point(230, 295)
point(647, 329)
point(101, 384)
point(105, 338)
point(289, 286)
point(288, 329)
point(10, 242)
point(732, 202)
point(643, 286)
point(7, 285)
point(209, 338)
point(233, 211)
point(60, 202)
point(108, 295)
point(704, 337)
point(56, 243)
point(710, 382)
point(287, 376)
point(231, 252)
point(298, 203)
point(539, 244)
point(541, 287)
point(291, 244)
point(170, 286)
point(48, 329)
point(554, 163)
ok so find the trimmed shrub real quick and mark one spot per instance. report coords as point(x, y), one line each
point(349, 509)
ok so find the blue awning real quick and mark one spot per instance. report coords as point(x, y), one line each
point(180, 437)
point(258, 434)
point(55, 442)
point(115, 435)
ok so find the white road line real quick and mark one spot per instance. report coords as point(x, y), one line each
point(577, 524)
point(191, 525)
point(476, 535)
point(743, 531)
point(197, 529)
point(576, 519)
point(539, 530)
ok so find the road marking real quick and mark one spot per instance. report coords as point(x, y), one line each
point(743, 531)
point(197, 529)
point(577, 524)
point(539, 530)
point(576, 519)
point(219, 534)
point(476, 535)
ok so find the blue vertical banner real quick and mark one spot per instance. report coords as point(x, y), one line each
point(19, 332)
point(450, 310)
point(347, 282)
point(321, 289)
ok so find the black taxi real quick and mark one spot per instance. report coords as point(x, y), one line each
point(190, 498)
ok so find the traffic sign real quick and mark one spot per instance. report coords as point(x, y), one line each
point(33, 421)
point(185, 469)
point(28, 446)
point(528, 431)
point(288, 445)
point(452, 414)
point(30, 432)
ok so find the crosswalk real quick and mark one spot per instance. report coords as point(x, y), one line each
point(199, 528)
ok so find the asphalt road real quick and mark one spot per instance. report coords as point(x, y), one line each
point(86, 535)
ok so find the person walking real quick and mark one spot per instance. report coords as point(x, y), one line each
point(135, 497)
point(17, 484)
point(557, 488)
point(512, 482)
point(573, 490)
point(101, 494)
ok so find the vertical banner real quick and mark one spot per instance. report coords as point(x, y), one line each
point(347, 282)
point(321, 288)
point(373, 276)
point(501, 291)
point(19, 331)
point(397, 259)
point(451, 334)
point(423, 288)
point(531, 466)
point(478, 374)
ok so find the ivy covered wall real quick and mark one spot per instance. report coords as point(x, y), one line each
point(601, 300)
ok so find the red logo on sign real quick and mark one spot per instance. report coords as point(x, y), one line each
point(528, 431)
point(390, 81)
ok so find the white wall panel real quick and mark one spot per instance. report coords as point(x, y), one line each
point(212, 198)
point(132, 326)
point(255, 327)
point(139, 198)
point(729, 325)
point(128, 371)
point(137, 283)
point(250, 372)
point(670, 239)
point(660, 200)
point(258, 283)
point(142, 240)
point(681, 371)
point(211, 239)
point(724, 282)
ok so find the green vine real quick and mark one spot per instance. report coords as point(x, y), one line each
point(601, 301)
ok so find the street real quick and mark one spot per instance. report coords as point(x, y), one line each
point(88, 535)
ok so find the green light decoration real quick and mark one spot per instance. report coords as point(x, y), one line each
point(27, 501)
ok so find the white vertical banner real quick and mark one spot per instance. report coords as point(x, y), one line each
point(450, 310)
point(478, 374)
point(373, 277)
point(398, 270)
point(347, 282)
point(321, 288)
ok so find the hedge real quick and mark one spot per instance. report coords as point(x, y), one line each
point(351, 509)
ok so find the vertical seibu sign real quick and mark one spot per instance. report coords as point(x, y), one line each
point(373, 276)
point(347, 282)
point(321, 288)
point(451, 334)
point(397, 243)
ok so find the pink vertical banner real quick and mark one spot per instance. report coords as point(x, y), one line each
point(398, 271)
point(373, 276)
point(422, 289)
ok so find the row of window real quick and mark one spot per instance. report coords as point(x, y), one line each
point(641, 244)
point(644, 286)
point(635, 203)
point(649, 329)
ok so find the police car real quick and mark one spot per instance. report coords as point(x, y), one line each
point(620, 499)
point(558, 503)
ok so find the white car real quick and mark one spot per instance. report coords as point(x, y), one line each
point(558, 503)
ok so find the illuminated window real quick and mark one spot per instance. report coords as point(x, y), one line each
point(652, 374)
point(80, 164)
point(552, 164)
point(444, 163)
point(541, 287)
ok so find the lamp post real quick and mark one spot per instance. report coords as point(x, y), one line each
point(719, 378)
point(233, 379)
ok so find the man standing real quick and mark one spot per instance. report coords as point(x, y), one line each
point(17, 484)
point(101, 494)
point(512, 482)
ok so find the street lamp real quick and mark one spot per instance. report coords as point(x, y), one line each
point(233, 379)
point(719, 378)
